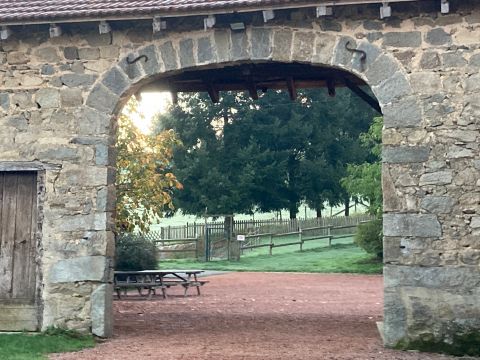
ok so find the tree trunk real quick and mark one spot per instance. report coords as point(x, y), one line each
point(319, 212)
point(347, 207)
point(293, 211)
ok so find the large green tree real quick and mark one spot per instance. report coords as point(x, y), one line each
point(270, 154)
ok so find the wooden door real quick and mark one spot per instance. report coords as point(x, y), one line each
point(18, 248)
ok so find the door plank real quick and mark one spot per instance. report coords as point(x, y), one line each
point(22, 260)
point(9, 206)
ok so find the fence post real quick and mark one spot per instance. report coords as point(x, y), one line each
point(329, 233)
point(271, 244)
point(300, 238)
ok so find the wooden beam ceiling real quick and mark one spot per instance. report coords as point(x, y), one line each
point(262, 76)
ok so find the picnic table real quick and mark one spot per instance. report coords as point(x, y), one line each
point(151, 280)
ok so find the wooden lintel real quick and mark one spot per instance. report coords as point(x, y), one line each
point(331, 87)
point(213, 93)
point(363, 95)
point(292, 90)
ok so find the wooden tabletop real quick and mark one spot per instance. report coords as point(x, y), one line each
point(158, 272)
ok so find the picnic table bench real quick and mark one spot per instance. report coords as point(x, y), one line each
point(151, 280)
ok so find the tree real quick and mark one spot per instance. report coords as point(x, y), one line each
point(363, 181)
point(144, 181)
point(270, 154)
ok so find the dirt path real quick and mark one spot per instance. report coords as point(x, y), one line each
point(243, 316)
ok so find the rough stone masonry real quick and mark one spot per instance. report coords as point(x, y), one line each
point(59, 98)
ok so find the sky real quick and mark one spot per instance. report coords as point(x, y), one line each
point(151, 103)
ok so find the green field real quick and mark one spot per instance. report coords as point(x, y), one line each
point(342, 257)
point(37, 346)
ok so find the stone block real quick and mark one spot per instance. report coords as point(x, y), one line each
point(473, 83)
point(78, 80)
point(152, 65)
point(303, 45)
point(186, 53)
point(93, 122)
point(475, 222)
point(453, 59)
point(341, 55)
point(240, 48)
point(458, 152)
point(17, 58)
point(404, 113)
point(372, 51)
point(47, 70)
point(205, 51)
point(102, 99)
point(101, 154)
point(395, 87)
point(456, 279)
point(418, 225)
point(402, 39)
point(405, 154)
point(5, 101)
point(430, 60)
point(109, 52)
point(47, 54)
point(61, 153)
point(261, 43)
point(395, 316)
point(48, 98)
point(71, 53)
point(381, 69)
point(438, 36)
point(85, 268)
point(438, 204)
point(168, 55)
point(133, 71)
point(222, 45)
point(71, 97)
point(89, 53)
point(116, 81)
point(18, 122)
point(101, 311)
point(282, 45)
point(436, 178)
point(324, 46)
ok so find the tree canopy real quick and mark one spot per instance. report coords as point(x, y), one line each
point(363, 181)
point(144, 181)
point(241, 155)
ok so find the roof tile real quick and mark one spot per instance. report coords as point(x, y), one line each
point(50, 10)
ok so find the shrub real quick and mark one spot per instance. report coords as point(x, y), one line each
point(135, 253)
point(369, 237)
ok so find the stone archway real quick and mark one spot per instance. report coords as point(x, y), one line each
point(381, 71)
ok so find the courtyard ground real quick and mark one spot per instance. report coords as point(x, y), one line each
point(244, 316)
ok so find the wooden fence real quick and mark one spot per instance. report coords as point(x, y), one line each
point(248, 227)
point(328, 232)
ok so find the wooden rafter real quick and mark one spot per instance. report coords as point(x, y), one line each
point(363, 95)
point(292, 89)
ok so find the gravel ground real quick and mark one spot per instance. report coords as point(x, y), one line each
point(243, 316)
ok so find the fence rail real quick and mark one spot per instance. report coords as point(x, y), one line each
point(248, 227)
point(254, 241)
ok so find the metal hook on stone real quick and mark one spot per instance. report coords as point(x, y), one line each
point(137, 59)
point(363, 54)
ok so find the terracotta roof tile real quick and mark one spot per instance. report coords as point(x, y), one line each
point(37, 10)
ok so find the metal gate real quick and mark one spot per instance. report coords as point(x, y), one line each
point(219, 244)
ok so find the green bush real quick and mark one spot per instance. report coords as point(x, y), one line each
point(134, 253)
point(369, 237)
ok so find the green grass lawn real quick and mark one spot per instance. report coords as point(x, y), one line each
point(37, 346)
point(342, 257)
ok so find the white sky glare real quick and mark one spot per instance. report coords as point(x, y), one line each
point(151, 104)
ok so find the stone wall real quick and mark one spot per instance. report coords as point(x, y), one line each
point(58, 98)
